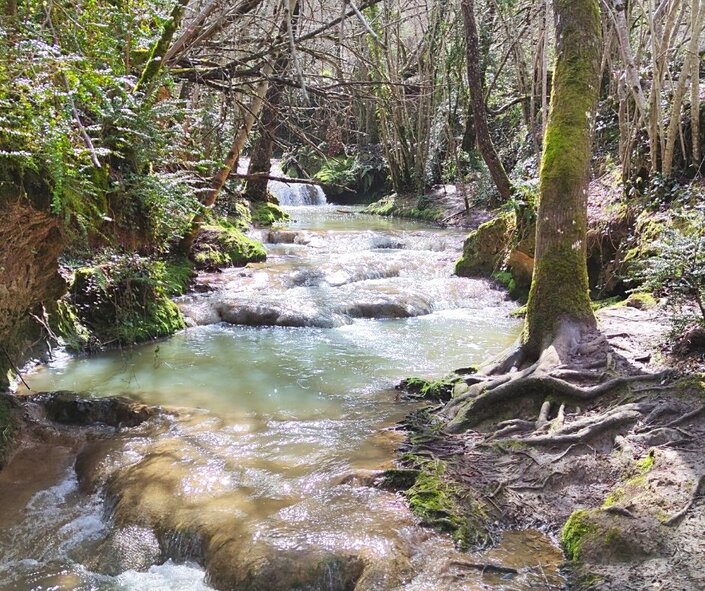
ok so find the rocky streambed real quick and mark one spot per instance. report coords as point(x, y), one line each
point(245, 450)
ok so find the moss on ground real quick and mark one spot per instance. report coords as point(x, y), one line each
point(123, 301)
point(442, 504)
point(575, 531)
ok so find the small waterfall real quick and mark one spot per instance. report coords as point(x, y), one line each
point(289, 193)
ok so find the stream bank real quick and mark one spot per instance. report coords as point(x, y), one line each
point(278, 411)
point(625, 500)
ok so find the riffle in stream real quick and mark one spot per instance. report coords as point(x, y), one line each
point(278, 398)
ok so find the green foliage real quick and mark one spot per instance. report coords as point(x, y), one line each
point(676, 269)
point(72, 127)
point(178, 274)
point(124, 300)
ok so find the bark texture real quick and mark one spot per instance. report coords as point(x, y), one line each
point(479, 111)
point(559, 290)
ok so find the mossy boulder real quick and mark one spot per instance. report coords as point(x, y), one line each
point(432, 390)
point(267, 214)
point(423, 208)
point(601, 537)
point(485, 249)
point(121, 301)
point(224, 245)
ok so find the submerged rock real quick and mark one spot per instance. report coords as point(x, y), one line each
point(73, 409)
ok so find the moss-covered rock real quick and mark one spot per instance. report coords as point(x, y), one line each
point(599, 536)
point(416, 208)
point(124, 300)
point(485, 249)
point(266, 214)
point(224, 245)
point(67, 325)
point(434, 390)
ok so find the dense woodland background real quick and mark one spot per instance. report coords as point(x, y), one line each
point(121, 125)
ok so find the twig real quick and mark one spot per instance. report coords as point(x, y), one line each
point(14, 367)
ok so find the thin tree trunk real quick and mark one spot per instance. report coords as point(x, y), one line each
point(559, 290)
point(695, 104)
point(477, 97)
point(698, 17)
point(155, 60)
point(231, 160)
point(261, 155)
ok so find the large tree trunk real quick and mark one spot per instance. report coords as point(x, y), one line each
point(477, 99)
point(559, 290)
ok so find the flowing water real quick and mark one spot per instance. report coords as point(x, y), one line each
point(284, 384)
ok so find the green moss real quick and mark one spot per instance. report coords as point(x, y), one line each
point(224, 245)
point(575, 531)
point(399, 479)
point(606, 303)
point(383, 207)
point(124, 300)
point(641, 301)
point(485, 248)
point(442, 504)
point(437, 390)
point(177, 276)
point(421, 208)
point(66, 324)
point(646, 464)
point(506, 280)
point(266, 214)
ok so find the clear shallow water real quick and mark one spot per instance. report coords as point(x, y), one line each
point(273, 422)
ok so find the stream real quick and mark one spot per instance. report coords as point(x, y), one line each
point(279, 395)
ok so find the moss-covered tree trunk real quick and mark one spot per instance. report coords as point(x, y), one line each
point(559, 290)
point(156, 55)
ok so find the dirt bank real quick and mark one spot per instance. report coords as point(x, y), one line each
point(618, 477)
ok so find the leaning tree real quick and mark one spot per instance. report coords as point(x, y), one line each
point(560, 346)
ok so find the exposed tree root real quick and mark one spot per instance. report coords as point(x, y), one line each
point(697, 492)
point(587, 429)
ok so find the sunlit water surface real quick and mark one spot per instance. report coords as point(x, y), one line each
point(273, 414)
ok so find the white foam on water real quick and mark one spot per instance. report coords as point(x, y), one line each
point(165, 577)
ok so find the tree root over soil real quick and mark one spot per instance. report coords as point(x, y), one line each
point(533, 441)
